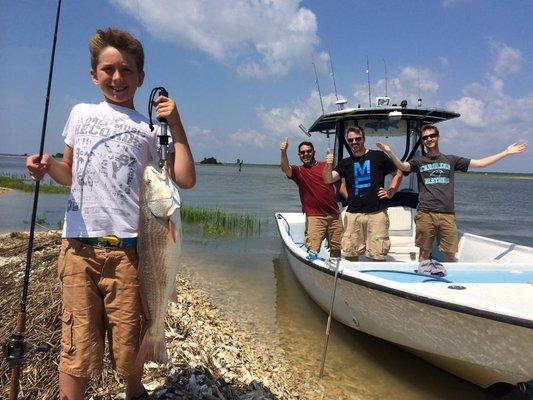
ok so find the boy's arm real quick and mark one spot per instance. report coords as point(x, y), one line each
point(514, 148)
point(402, 166)
point(182, 162)
point(59, 171)
point(328, 174)
point(284, 161)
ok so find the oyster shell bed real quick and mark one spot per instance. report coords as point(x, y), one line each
point(209, 357)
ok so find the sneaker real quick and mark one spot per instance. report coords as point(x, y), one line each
point(311, 256)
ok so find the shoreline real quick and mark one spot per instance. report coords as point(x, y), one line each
point(204, 345)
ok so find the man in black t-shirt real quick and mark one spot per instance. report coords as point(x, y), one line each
point(367, 221)
point(435, 216)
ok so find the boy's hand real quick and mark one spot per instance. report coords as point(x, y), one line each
point(166, 108)
point(284, 145)
point(329, 157)
point(384, 147)
point(38, 169)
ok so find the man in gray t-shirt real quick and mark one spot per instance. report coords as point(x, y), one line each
point(435, 216)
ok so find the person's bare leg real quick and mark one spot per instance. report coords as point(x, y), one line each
point(449, 257)
point(134, 386)
point(72, 387)
point(423, 255)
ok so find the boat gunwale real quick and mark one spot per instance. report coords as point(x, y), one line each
point(517, 321)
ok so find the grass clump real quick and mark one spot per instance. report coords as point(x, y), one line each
point(217, 222)
point(19, 183)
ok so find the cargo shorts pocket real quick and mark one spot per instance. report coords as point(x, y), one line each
point(67, 325)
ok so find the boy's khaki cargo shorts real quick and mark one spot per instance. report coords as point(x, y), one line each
point(100, 294)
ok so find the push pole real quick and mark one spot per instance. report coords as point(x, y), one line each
point(15, 348)
point(328, 326)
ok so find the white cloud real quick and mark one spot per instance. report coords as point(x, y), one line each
point(407, 85)
point(261, 38)
point(506, 59)
point(249, 138)
point(202, 138)
point(283, 121)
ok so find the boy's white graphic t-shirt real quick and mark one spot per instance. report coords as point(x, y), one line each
point(111, 147)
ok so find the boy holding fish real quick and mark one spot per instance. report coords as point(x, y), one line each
point(107, 147)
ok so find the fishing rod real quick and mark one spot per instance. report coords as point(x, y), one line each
point(16, 347)
point(163, 135)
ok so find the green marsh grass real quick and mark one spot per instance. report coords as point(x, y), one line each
point(218, 222)
point(19, 182)
point(214, 221)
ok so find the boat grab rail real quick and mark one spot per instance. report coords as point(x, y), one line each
point(430, 278)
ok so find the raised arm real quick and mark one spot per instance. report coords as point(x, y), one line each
point(328, 174)
point(284, 161)
point(514, 148)
point(402, 166)
point(59, 171)
point(182, 162)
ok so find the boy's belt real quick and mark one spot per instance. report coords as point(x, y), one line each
point(110, 241)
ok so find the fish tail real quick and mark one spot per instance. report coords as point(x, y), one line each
point(153, 349)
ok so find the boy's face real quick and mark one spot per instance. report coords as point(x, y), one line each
point(117, 76)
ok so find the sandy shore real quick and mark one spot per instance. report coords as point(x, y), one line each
point(4, 190)
point(209, 357)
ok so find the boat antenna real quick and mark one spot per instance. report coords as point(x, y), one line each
point(317, 84)
point(368, 81)
point(332, 74)
point(15, 348)
point(386, 78)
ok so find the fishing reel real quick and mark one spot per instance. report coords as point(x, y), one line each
point(163, 136)
point(16, 349)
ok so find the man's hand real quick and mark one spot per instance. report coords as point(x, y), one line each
point(329, 157)
point(386, 193)
point(284, 144)
point(516, 148)
point(38, 169)
point(384, 147)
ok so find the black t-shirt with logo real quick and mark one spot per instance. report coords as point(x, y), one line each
point(436, 180)
point(364, 176)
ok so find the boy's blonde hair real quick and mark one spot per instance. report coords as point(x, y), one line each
point(120, 40)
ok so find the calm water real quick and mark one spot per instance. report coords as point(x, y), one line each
point(249, 278)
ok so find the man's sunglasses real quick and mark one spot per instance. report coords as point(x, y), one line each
point(354, 139)
point(306, 152)
point(430, 136)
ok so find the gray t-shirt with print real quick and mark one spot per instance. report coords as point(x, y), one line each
point(436, 180)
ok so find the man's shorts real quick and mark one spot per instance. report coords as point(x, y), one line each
point(366, 233)
point(100, 294)
point(317, 228)
point(431, 225)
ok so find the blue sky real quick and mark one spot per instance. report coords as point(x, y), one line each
point(242, 75)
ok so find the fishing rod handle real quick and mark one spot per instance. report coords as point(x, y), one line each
point(163, 92)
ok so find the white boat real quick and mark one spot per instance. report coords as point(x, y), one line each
point(476, 322)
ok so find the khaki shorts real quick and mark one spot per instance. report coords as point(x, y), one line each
point(366, 233)
point(431, 225)
point(100, 294)
point(317, 228)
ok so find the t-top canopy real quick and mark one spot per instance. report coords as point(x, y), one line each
point(327, 122)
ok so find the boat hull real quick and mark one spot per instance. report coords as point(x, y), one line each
point(481, 350)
